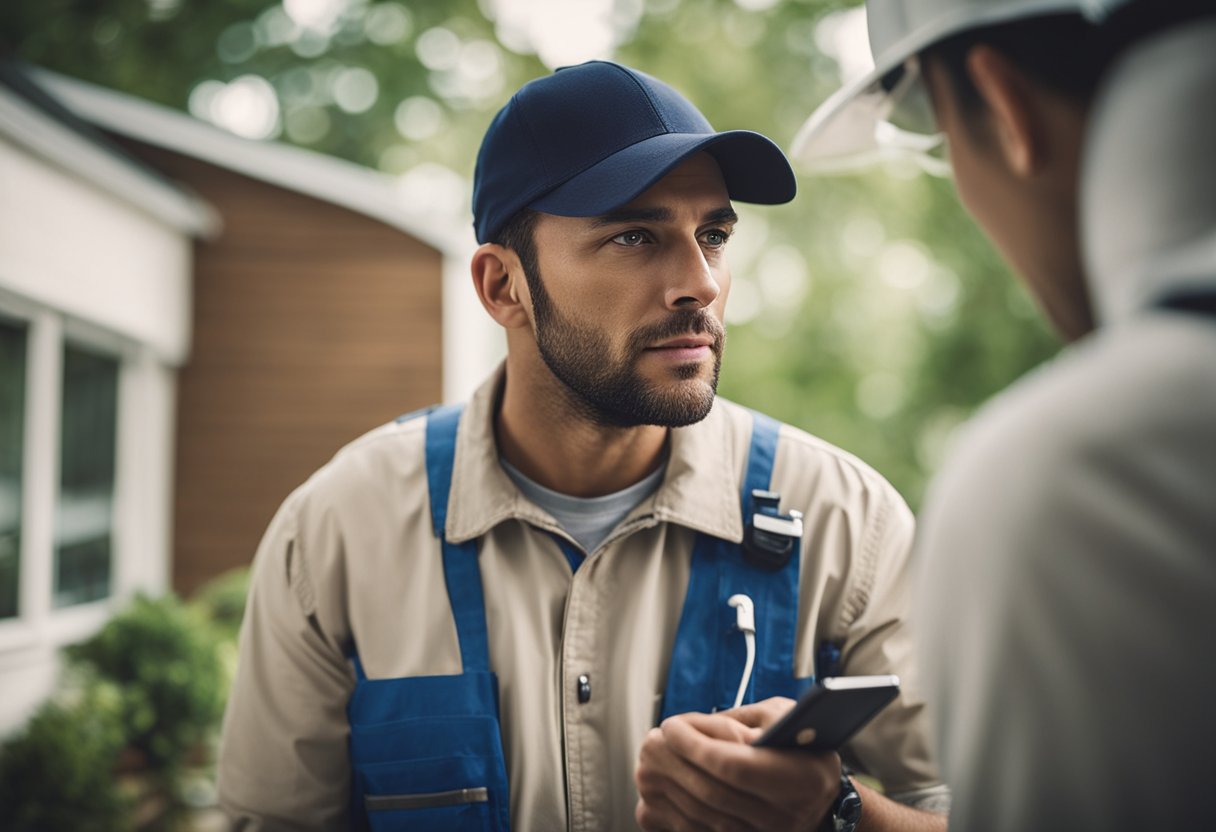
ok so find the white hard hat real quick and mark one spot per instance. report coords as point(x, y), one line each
point(888, 108)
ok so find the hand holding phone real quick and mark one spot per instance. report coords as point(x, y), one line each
point(833, 710)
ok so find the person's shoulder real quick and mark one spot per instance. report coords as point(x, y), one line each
point(1118, 415)
point(1000, 463)
point(810, 469)
point(1157, 369)
point(810, 450)
point(380, 460)
point(1100, 399)
point(805, 447)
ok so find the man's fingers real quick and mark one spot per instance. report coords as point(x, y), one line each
point(700, 769)
point(699, 814)
point(656, 814)
point(766, 773)
point(779, 789)
point(761, 714)
point(664, 773)
point(720, 726)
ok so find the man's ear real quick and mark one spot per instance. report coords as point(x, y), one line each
point(1011, 102)
point(497, 275)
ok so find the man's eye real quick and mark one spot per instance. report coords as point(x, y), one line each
point(716, 238)
point(630, 238)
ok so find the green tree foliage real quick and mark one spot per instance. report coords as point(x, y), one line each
point(870, 311)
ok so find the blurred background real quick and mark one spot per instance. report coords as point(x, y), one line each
point(234, 236)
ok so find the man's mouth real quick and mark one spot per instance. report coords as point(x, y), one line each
point(687, 342)
point(684, 349)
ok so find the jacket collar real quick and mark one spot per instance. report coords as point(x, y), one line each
point(700, 489)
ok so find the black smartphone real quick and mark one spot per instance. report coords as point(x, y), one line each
point(834, 709)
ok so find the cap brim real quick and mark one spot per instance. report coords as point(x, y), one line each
point(842, 133)
point(753, 168)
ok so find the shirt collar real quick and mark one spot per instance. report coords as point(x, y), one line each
point(700, 489)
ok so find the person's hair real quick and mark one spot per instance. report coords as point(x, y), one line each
point(1062, 52)
point(1065, 53)
point(517, 235)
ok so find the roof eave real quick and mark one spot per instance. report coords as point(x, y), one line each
point(333, 180)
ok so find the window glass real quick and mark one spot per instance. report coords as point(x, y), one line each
point(12, 433)
point(84, 517)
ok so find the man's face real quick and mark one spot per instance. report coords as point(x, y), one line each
point(627, 307)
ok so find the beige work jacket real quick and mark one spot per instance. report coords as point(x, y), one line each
point(351, 559)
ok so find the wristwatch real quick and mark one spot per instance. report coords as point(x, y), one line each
point(846, 811)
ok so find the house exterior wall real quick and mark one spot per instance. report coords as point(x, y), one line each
point(64, 244)
point(312, 325)
point(80, 266)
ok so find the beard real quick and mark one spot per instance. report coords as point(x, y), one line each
point(611, 392)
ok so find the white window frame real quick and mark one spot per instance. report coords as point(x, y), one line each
point(38, 624)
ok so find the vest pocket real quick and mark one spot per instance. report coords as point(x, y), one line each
point(419, 794)
point(433, 800)
point(426, 753)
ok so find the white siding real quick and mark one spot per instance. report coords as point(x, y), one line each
point(79, 263)
point(72, 247)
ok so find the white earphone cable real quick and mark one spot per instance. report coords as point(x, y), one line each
point(745, 620)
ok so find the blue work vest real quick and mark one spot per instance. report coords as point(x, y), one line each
point(426, 751)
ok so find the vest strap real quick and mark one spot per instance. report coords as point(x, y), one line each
point(708, 657)
point(460, 567)
point(775, 595)
point(574, 555)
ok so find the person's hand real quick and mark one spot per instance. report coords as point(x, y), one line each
point(700, 771)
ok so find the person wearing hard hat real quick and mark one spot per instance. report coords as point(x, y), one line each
point(1068, 547)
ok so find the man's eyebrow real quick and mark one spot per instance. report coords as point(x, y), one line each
point(632, 215)
point(722, 215)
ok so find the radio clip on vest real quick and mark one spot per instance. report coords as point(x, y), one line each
point(771, 537)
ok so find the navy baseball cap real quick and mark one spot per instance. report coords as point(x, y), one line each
point(589, 138)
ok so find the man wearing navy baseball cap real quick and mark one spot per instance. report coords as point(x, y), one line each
point(495, 614)
point(1069, 542)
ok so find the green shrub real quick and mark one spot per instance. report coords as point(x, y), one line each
point(58, 772)
point(163, 656)
point(222, 601)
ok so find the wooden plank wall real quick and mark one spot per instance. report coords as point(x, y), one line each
point(312, 325)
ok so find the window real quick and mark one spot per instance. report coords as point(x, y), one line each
point(84, 515)
point(85, 484)
point(13, 342)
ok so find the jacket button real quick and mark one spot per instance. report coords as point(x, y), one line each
point(584, 688)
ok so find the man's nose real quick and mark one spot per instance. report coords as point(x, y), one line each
point(692, 282)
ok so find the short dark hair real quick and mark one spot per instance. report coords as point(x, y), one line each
point(1064, 52)
point(518, 234)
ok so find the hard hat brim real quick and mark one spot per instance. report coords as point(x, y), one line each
point(842, 133)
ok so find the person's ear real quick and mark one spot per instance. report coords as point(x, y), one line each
point(497, 274)
point(1010, 100)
